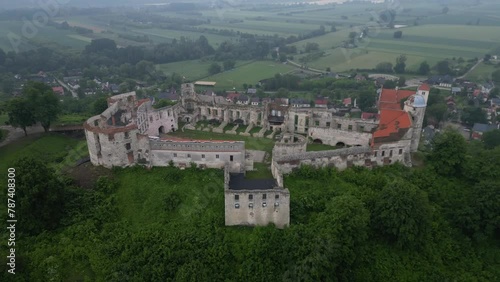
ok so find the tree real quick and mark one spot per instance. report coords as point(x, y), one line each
point(400, 64)
point(99, 105)
point(101, 45)
point(390, 84)
point(229, 64)
point(436, 112)
point(45, 103)
point(384, 67)
point(214, 68)
point(398, 34)
point(449, 153)
point(495, 76)
point(424, 68)
point(402, 81)
point(402, 213)
point(352, 37)
point(312, 46)
point(471, 115)
point(487, 58)
point(21, 113)
point(40, 196)
point(367, 100)
point(3, 57)
point(491, 139)
point(443, 67)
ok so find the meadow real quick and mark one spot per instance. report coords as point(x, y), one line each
point(250, 73)
point(482, 73)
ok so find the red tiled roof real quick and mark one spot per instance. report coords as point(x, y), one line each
point(391, 98)
point(321, 102)
point(58, 89)
point(476, 92)
point(347, 101)
point(369, 115)
point(425, 87)
point(391, 121)
point(233, 95)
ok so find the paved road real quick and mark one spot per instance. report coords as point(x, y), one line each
point(18, 133)
point(73, 93)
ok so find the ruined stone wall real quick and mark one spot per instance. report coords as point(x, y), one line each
point(112, 146)
point(162, 120)
point(206, 154)
point(264, 207)
point(301, 120)
point(332, 136)
point(344, 158)
point(290, 144)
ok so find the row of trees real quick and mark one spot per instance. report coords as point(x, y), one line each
point(38, 104)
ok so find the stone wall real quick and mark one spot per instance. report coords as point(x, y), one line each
point(344, 158)
point(290, 144)
point(333, 137)
point(203, 153)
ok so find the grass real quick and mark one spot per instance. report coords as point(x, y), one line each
point(251, 143)
point(145, 196)
point(3, 119)
point(255, 129)
point(71, 119)
point(3, 134)
point(261, 171)
point(49, 148)
point(250, 73)
point(319, 147)
point(483, 72)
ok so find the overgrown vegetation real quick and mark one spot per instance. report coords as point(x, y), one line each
point(391, 223)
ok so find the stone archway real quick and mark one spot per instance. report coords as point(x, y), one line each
point(161, 130)
point(340, 144)
point(317, 141)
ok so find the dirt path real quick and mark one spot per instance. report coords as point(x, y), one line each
point(471, 69)
point(18, 133)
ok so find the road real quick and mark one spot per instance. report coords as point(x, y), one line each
point(73, 93)
point(471, 69)
point(18, 133)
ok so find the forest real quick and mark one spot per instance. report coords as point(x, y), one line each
point(438, 222)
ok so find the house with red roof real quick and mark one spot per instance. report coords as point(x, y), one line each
point(321, 103)
point(58, 90)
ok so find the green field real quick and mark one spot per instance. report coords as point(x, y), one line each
point(50, 148)
point(250, 74)
point(482, 72)
point(251, 143)
point(427, 42)
point(3, 119)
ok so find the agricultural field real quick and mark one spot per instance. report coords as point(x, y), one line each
point(250, 73)
point(431, 43)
